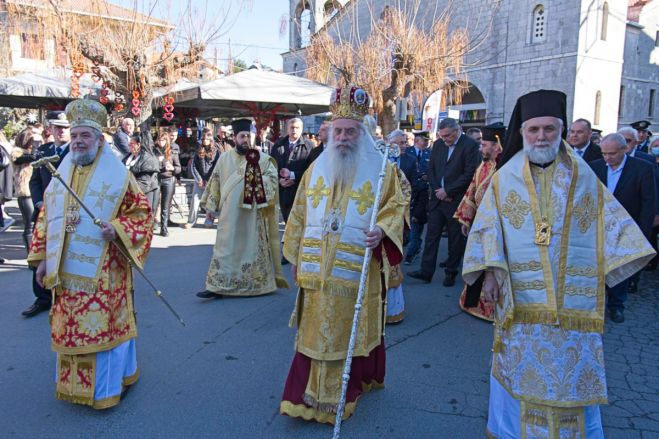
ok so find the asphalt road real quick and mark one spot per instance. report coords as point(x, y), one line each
point(223, 374)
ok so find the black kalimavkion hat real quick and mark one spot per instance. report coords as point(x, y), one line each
point(539, 103)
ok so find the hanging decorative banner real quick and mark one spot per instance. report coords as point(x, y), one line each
point(135, 103)
point(168, 109)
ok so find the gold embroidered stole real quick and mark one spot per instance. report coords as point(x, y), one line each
point(333, 245)
point(74, 257)
point(564, 286)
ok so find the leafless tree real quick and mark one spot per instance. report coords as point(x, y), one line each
point(410, 51)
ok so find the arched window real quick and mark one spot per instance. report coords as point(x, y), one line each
point(598, 106)
point(605, 21)
point(331, 9)
point(539, 24)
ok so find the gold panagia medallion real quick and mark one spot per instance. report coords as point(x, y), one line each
point(72, 218)
point(543, 233)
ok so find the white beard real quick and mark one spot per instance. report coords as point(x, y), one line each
point(84, 158)
point(544, 154)
point(343, 163)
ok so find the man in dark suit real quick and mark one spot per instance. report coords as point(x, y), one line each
point(323, 135)
point(631, 137)
point(453, 161)
point(121, 138)
point(38, 182)
point(579, 137)
point(626, 177)
point(291, 153)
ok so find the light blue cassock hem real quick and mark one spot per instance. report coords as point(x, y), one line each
point(504, 420)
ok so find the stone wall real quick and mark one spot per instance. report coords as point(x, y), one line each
point(640, 72)
point(572, 57)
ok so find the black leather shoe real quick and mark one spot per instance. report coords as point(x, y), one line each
point(617, 315)
point(633, 287)
point(442, 264)
point(34, 309)
point(449, 280)
point(419, 275)
point(208, 295)
point(284, 261)
point(164, 232)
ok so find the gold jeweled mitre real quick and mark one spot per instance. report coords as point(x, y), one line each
point(87, 113)
point(349, 102)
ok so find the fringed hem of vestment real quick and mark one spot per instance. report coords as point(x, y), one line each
point(395, 318)
point(324, 413)
point(568, 322)
point(334, 286)
point(100, 404)
point(91, 349)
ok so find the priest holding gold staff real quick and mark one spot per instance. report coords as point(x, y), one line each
point(92, 319)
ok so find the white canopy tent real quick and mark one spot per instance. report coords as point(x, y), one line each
point(240, 94)
point(30, 90)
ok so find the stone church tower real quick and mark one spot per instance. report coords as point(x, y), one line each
point(309, 16)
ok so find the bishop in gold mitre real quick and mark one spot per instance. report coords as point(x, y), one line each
point(92, 319)
point(326, 237)
point(548, 237)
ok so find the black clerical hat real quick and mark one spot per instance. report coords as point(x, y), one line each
point(239, 125)
point(494, 132)
point(539, 103)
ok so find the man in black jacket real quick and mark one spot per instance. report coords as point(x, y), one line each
point(323, 135)
point(38, 182)
point(631, 137)
point(627, 178)
point(579, 136)
point(121, 139)
point(291, 153)
point(453, 161)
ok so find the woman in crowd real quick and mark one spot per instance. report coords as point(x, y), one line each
point(145, 166)
point(170, 165)
point(21, 157)
point(6, 188)
point(202, 168)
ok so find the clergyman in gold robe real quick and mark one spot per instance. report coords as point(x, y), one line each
point(548, 236)
point(92, 321)
point(326, 237)
point(242, 194)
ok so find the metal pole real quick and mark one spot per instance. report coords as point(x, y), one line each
point(48, 163)
point(385, 148)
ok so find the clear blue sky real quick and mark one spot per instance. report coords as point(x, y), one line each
point(254, 33)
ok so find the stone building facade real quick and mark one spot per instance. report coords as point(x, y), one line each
point(604, 54)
